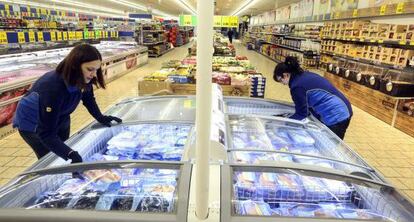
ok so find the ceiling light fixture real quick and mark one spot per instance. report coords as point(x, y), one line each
point(244, 7)
point(184, 4)
point(88, 6)
point(143, 8)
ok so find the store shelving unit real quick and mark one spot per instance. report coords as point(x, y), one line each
point(154, 37)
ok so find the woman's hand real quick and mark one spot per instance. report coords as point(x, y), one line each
point(106, 120)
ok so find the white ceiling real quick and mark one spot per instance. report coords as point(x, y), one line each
point(167, 7)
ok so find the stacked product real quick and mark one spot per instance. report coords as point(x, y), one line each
point(258, 85)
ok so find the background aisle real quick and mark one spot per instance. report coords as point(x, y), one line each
point(387, 149)
point(16, 155)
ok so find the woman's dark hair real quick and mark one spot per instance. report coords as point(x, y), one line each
point(70, 68)
point(291, 65)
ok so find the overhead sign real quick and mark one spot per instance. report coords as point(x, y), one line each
point(219, 21)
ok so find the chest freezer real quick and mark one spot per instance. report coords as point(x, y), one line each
point(282, 192)
point(244, 106)
point(105, 191)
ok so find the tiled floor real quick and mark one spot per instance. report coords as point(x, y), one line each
point(383, 147)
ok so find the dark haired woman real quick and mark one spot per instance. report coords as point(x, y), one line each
point(313, 94)
point(43, 115)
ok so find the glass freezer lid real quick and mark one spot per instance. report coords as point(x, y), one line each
point(165, 108)
point(164, 141)
point(144, 187)
point(277, 134)
point(283, 193)
point(257, 106)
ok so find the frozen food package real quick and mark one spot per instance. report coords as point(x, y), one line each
point(253, 208)
point(87, 200)
point(278, 186)
point(251, 157)
point(315, 161)
point(61, 197)
point(301, 137)
point(124, 199)
point(244, 140)
point(308, 210)
point(316, 190)
point(339, 189)
point(104, 175)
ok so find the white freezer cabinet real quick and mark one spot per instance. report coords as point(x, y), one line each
point(281, 193)
point(105, 191)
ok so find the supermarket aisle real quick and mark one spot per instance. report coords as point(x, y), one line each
point(16, 155)
point(383, 147)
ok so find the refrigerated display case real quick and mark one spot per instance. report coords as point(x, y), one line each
point(317, 174)
point(19, 71)
point(297, 193)
point(105, 191)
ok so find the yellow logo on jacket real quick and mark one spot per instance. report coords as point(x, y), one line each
point(48, 109)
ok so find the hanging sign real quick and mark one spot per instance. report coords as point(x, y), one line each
point(3, 38)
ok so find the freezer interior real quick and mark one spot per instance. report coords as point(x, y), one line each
point(118, 188)
point(166, 108)
point(281, 193)
point(145, 141)
point(244, 106)
point(272, 134)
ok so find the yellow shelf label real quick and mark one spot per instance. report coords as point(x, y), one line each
point(380, 41)
point(72, 35)
point(372, 40)
point(52, 36)
point(65, 36)
point(40, 36)
point(383, 9)
point(3, 38)
point(402, 42)
point(412, 43)
point(400, 8)
point(20, 37)
point(92, 35)
point(355, 13)
point(337, 15)
point(7, 7)
point(32, 37)
point(79, 35)
point(59, 36)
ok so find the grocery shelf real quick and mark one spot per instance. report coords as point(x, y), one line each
point(396, 43)
point(158, 55)
point(153, 43)
point(275, 60)
point(366, 61)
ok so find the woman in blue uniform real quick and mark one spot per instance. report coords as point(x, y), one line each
point(313, 94)
point(43, 115)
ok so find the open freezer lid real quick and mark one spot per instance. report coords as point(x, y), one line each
point(156, 108)
point(285, 193)
point(266, 107)
point(255, 139)
point(104, 191)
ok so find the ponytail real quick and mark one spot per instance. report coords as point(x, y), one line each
point(291, 65)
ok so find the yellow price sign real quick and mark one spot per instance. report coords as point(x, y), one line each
point(40, 37)
point(32, 37)
point(188, 20)
point(412, 43)
point(402, 42)
point(20, 37)
point(337, 15)
point(59, 36)
point(43, 11)
point(3, 38)
point(79, 35)
point(92, 35)
point(188, 104)
point(65, 36)
point(217, 21)
point(105, 33)
point(7, 7)
point(380, 41)
point(355, 13)
point(400, 8)
point(52, 36)
point(234, 21)
point(225, 21)
point(72, 35)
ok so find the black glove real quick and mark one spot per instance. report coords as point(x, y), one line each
point(106, 120)
point(75, 157)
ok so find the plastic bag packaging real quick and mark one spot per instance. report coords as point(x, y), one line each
point(253, 208)
point(61, 197)
point(301, 137)
point(87, 200)
point(308, 210)
point(124, 200)
point(338, 188)
point(316, 190)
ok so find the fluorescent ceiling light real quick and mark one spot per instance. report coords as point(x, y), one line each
point(34, 4)
point(245, 6)
point(184, 4)
point(87, 6)
point(142, 8)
